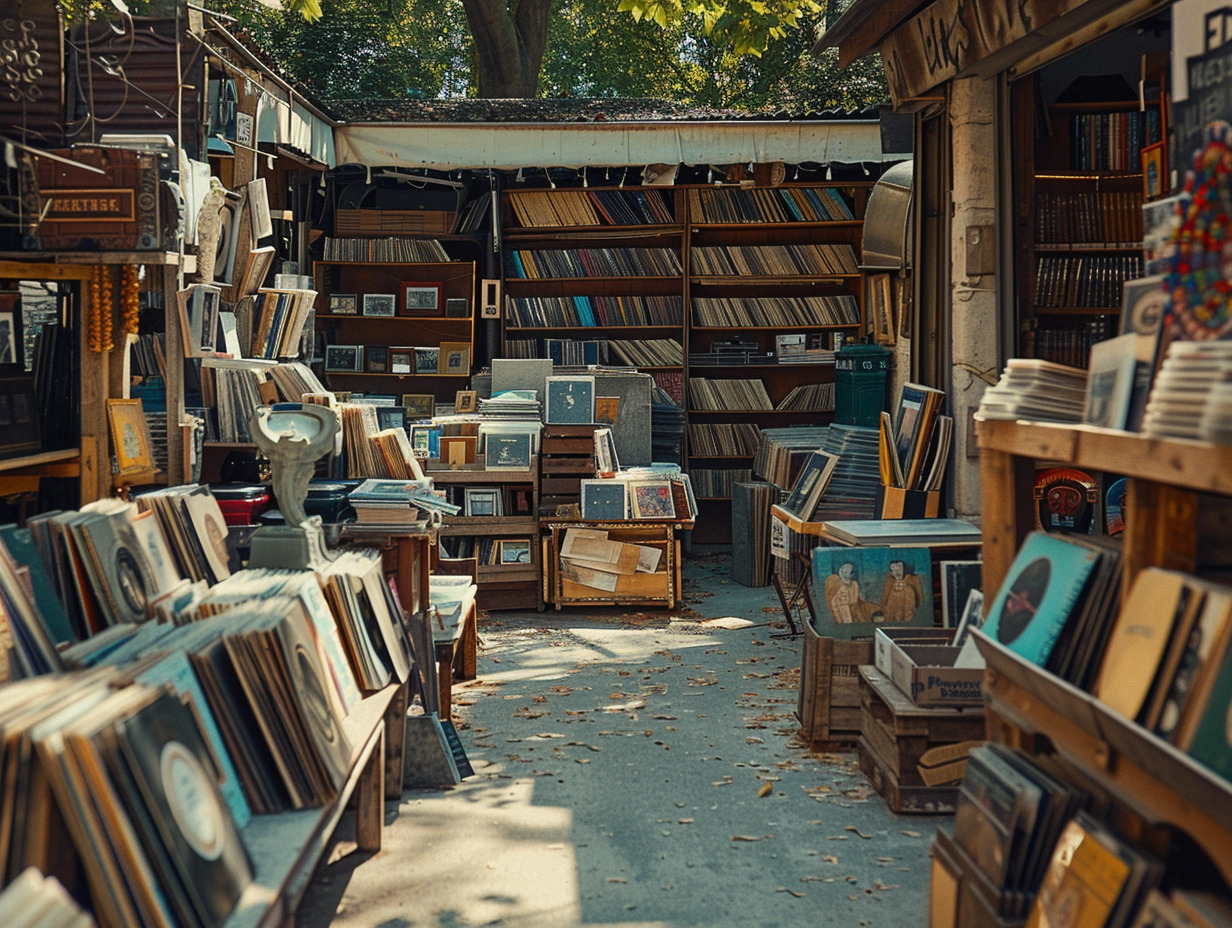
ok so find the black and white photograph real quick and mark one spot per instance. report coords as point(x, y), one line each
point(342, 357)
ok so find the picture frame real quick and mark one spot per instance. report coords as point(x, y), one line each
point(376, 359)
point(479, 501)
point(457, 307)
point(425, 440)
point(604, 500)
point(380, 304)
point(856, 590)
point(343, 357)
point(607, 463)
point(11, 353)
point(260, 219)
point(427, 360)
point(511, 451)
point(391, 417)
point(459, 449)
point(418, 405)
point(130, 440)
point(343, 304)
point(570, 400)
point(1154, 159)
point(420, 298)
point(454, 358)
point(1110, 381)
point(514, 551)
point(606, 408)
point(401, 360)
point(465, 401)
point(651, 499)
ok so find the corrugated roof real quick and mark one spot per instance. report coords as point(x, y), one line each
point(560, 110)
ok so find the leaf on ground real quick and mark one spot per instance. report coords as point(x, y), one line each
point(665, 718)
point(539, 699)
point(726, 781)
point(858, 832)
point(749, 837)
point(790, 892)
point(684, 821)
point(616, 879)
point(583, 744)
point(830, 859)
point(766, 790)
point(727, 622)
point(886, 860)
point(754, 740)
point(546, 735)
point(581, 760)
point(911, 834)
point(877, 884)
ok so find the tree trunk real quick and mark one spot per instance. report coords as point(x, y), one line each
point(509, 36)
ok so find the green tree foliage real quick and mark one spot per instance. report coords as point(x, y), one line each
point(392, 49)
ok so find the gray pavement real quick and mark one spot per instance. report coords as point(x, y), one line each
point(637, 769)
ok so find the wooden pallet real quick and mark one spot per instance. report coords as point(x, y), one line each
point(567, 456)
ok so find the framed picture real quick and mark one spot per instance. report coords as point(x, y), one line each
point(342, 357)
point(376, 359)
point(454, 358)
point(426, 360)
point(129, 438)
point(421, 299)
point(515, 551)
point(881, 309)
point(465, 401)
point(1154, 170)
point(604, 500)
point(508, 452)
point(391, 417)
point(480, 501)
point(864, 587)
point(379, 304)
point(570, 400)
point(606, 408)
point(651, 499)
point(457, 307)
point(606, 461)
point(459, 449)
point(343, 304)
point(425, 440)
point(10, 341)
point(402, 360)
point(419, 405)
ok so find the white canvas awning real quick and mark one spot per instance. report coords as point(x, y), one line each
point(596, 144)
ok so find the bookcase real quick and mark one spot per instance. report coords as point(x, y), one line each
point(730, 297)
point(1173, 513)
point(395, 326)
point(506, 546)
point(1079, 190)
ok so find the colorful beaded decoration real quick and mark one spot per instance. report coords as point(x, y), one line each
point(1200, 281)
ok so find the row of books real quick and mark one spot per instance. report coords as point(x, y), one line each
point(279, 317)
point(540, 311)
point(816, 259)
point(809, 397)
point(391, 250)
point(765, 204)
point(647, 352)
point(1112, 141)
point(593, 262)
point(775, 311)
point(717, 482)
point(1106, 218)
point(1083, 280)
point(622, 207)
point(561, 351)
point(728, 395)
point(371, 451)
point(1069, 342)
point(724, 438)
point(233, 388)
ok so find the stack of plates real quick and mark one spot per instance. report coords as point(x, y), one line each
point(1178, 402)
point(1039, 390)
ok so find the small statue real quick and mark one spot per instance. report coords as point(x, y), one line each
point(209, 228)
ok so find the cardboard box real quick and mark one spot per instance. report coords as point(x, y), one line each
point(920, 662)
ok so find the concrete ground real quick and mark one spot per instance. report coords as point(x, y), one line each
point(636, 769)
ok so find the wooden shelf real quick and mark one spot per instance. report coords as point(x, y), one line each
point(40, 460)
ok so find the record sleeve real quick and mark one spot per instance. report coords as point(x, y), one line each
point(170, 763)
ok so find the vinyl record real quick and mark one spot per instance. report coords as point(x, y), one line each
point(168, 758)
point(1065, 500)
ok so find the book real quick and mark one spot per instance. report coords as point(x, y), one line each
point(1040, 592)
point(811, 484)
point(1110, 381)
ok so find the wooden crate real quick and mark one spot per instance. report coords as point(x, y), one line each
point(828, 705)
point(567, 456)
point(914, 757)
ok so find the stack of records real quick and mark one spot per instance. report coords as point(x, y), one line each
point(512, 404)
point(1216, 424)
point(666, 427)
point(1178, 398)
point(751, 501)
point(782, 452)
point(1040, 390)
point(852, 493)
point(386, 502)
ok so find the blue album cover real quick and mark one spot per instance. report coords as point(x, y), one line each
point(858, 589)
point(1044, 585)
point(604, 500)
point(571, 400)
